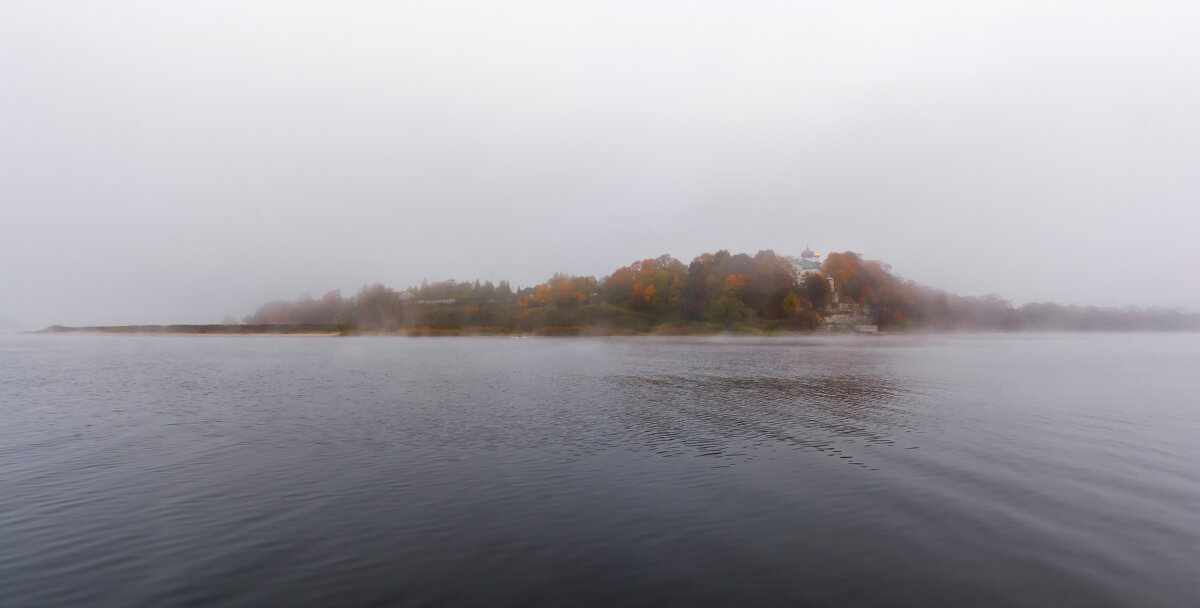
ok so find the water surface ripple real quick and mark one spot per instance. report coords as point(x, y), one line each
point(981, 470)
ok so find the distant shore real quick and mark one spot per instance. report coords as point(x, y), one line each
point(203, 330)
point(266, 330)
point(337, 331)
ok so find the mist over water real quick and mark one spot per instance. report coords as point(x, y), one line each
point(999, 166)
point(982, 470)
point(170, 163)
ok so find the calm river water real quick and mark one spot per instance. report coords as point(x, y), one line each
point(959, 470)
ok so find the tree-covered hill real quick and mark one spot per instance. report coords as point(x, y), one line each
point(714, 292)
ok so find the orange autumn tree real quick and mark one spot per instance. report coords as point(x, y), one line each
point(564, 291)
point(653, 285)
point(541, 295)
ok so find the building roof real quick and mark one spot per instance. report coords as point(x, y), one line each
point(803, 264)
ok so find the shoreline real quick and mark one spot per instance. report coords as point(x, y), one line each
point(415, 332)
point(190, 334)
point(253, 331)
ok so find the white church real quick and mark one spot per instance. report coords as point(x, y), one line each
point(808, 262)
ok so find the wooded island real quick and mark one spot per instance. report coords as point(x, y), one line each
point(715, 293)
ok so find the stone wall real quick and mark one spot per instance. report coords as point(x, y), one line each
point(850, 317)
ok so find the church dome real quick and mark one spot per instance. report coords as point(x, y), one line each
point(807, 253)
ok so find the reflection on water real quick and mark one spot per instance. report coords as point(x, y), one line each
point(1045, 470)
point(726, 417)
point(723, 402)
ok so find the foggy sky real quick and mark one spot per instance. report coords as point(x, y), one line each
point(181, 162)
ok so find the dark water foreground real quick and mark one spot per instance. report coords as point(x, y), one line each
point(985, 470)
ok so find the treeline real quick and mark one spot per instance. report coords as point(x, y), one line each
point(898, 304)
point(716, 291)
point(222, 329)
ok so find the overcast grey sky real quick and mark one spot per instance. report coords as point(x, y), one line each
point(186, 161)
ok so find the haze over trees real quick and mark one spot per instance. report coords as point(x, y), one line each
point(714, 292)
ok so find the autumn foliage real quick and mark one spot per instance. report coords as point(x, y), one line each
point(715, 291)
